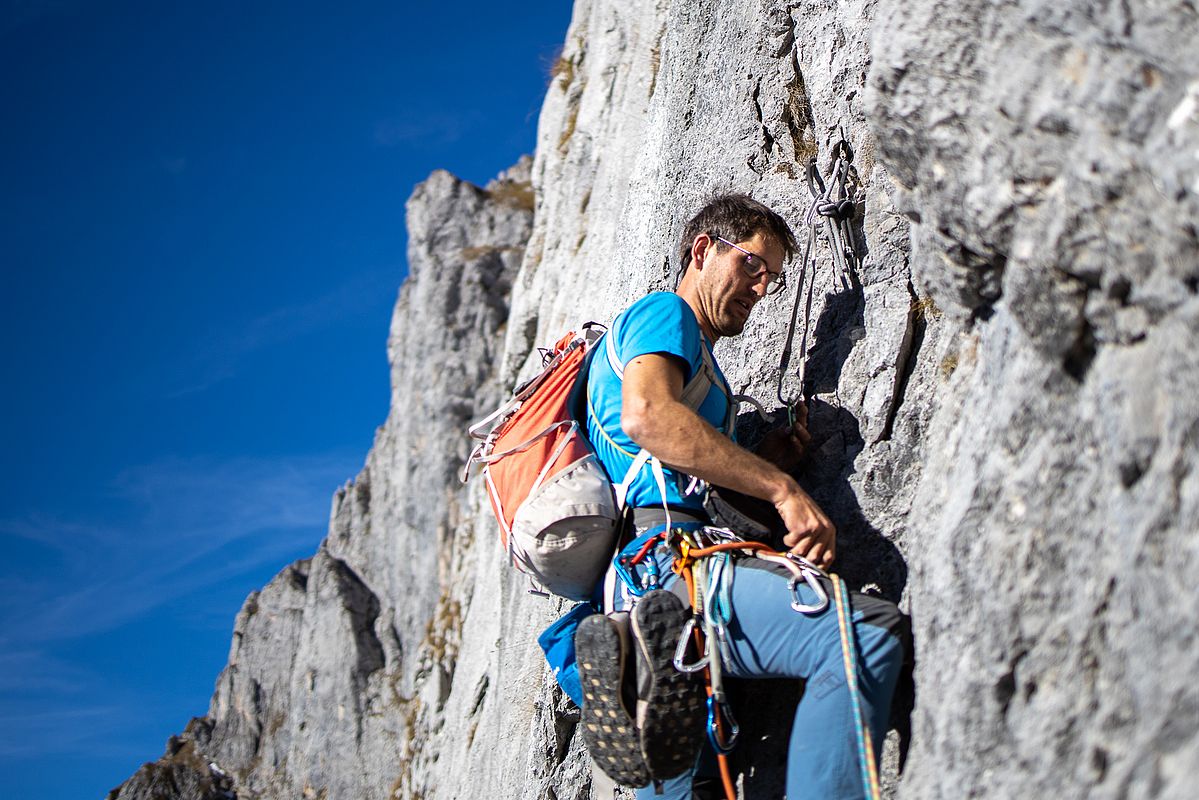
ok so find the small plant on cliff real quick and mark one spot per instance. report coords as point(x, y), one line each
point(518, 194)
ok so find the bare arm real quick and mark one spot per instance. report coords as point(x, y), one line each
point(654, 416)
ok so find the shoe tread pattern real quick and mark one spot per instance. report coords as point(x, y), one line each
point(609, 731)
point(676, 715)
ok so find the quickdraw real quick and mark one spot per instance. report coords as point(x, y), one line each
point(834, 202)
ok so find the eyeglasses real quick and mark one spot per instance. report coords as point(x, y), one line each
point(754, 265)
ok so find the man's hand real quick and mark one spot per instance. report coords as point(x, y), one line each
point(784, 447)
point(810, 533)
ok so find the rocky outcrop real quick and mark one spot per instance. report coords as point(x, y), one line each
point(181, 772)
point(1004, 415)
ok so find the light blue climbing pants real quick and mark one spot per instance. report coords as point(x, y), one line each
point(769, 639)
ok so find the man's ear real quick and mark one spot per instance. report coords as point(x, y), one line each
point(700, 247)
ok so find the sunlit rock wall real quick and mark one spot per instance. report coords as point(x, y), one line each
point(1050, 153)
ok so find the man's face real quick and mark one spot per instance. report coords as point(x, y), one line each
point(728, 293)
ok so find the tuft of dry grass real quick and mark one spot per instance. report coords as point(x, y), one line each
point(655, 61)
point(925, 308)
point(563, 70)
point(518, 194)
point(948, 365)
point(482, 251)
point(475, 253)
point(568, 130)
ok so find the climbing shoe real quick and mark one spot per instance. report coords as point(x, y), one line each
point(602, 652)
point(671, 710)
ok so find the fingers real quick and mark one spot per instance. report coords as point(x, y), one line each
point(820, 552)
point(799, 428)
point(800, 434)
point(807, 534)
point(815, 539)
point(810, 533)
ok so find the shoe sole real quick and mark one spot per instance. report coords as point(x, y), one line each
point(608, 727)
point(672, 715)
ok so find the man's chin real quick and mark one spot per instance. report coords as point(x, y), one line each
point(732, 327)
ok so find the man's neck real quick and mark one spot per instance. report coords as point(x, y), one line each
point(687, 291)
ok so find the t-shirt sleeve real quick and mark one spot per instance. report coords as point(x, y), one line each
point(659, 323)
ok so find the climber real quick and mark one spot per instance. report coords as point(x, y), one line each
point(732, 254)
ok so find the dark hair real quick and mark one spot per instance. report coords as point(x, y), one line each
point(735, 217)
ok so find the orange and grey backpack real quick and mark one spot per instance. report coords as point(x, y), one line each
point(558, 511)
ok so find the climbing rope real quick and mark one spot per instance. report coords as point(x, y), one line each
point(849, 655)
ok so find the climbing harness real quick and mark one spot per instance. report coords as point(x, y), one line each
point(706, 559)
point(833, 207)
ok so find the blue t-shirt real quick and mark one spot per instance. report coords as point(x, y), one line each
point(661, 322)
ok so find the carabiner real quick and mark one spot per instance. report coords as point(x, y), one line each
point(680, 650)
point(626, 577)
point(726, 746)
point(843, 150)
point(815, 179)
point(810, 574)
point(651, 574)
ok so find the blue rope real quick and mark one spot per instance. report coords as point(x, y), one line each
point(849, 652)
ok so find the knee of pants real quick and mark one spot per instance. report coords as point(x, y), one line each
point(881, 654)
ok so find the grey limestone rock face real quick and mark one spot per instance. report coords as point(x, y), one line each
point(1047, 153)
point(1004, 398)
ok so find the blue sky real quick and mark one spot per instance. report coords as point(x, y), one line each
point(202, 222)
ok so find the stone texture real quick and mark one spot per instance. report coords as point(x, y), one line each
point(1049, 154)
point(1005, 417)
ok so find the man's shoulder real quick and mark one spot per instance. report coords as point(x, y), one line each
point(660, 322)
point(662, 308)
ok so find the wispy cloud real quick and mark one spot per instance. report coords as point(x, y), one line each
point(174, 534)
point(424, 128)
point(223, 349)
point(184, 526)
point(87, 728)
point(27, 671)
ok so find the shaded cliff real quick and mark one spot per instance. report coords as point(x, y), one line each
point(1006, 411)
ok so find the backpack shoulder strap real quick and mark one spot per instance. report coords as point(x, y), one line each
point(695, 390)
